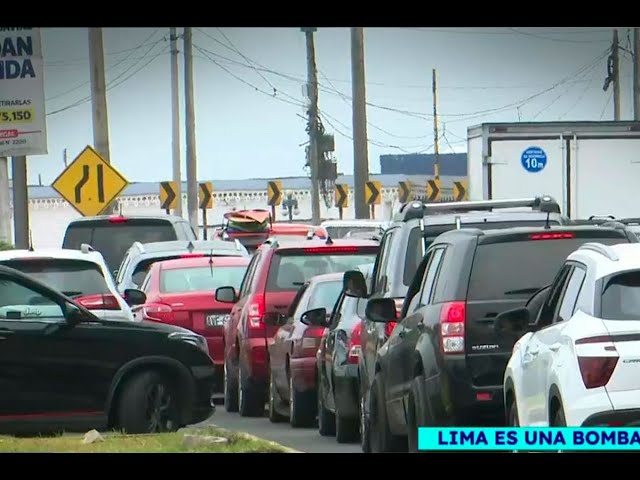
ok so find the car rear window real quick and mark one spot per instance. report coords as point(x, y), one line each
point(181, 280)
point(289, 272)
point(621, 297)
point(113, 240)
point(518, 269)
point(74, 278)
point(325, 295)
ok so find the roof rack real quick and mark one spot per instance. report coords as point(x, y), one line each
point(601, 249)
point(139, 246)
point(86, 248)
point(628, 221)
point(238, 244)
point(417, 209)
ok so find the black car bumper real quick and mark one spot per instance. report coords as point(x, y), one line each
point(347, 391)
point(204, 383)
point(614, 418)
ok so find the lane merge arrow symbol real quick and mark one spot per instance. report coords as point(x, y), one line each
point(433, 191)
point(274, 193)
point(167, 195)
point(404, 191)
point(342, 195)
point(460, 191)
point(373, 193)
point(206, 195)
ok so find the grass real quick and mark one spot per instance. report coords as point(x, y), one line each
point(152, 443)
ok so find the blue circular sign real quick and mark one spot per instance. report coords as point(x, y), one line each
point(534, 159)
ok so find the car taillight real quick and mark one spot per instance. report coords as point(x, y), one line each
point(256, 310)
point(99, 302)
point(118, 219)
point(355, 344)
point(158, 313)
point(552, 236)
point(192, 255)
point(596, 370)
point(452, 319)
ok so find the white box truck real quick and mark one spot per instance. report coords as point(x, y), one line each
point(590, 168)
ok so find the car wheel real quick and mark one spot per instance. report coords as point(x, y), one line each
point(559, 420)
point(326, 418)
point(301, 406)
point(274, 399)
point(347, 429)
point(249, 400)
point(382, 440)
point(230, 391)
point(512, 414)
point(148, 405)
point(365, 441)
point(412, 423)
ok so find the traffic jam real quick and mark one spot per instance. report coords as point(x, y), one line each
point(468, 313)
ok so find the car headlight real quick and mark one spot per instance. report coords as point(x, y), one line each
point(192, 338)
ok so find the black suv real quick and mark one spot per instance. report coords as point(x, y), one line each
point(444, 363)
point(402, 248)
point(62, 368)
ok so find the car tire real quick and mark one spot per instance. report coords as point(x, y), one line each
point(416, 413)
point(250, 402)
point(365, 441)
point(148, 404)
point(230, 391)
point(559, 420)
point(326, 418)
point(512, 414)
point(302, 407)
point(347, 429)
point(274, 399)
point(382, 440)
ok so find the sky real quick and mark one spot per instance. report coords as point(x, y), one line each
point(249, 104)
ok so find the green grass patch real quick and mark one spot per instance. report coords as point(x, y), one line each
point(152, 443)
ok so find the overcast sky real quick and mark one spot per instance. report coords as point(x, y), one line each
point(249, 96)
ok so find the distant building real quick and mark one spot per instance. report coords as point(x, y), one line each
point(451, 164)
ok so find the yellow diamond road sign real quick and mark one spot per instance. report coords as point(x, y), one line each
point(89, 183)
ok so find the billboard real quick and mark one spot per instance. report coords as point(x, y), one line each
point(23, 123)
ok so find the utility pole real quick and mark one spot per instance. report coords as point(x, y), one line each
point(192, 163)
point(359, 105)
point(312, 86)
point(5, 210)
point(20, 202)
point(615, 56)
point(636, 74)
point(436, 146)
point(175, 119)
point(99, 98)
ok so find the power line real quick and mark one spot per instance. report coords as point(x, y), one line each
point(466, 31)
point(561, 40)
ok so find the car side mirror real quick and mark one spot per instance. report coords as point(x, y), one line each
point(226, 295)
point(316, 317)
point(513, 322)
point(134, 297)
point(381, 310)
point(354, 284)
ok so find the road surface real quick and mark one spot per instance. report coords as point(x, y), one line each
point(307, 440)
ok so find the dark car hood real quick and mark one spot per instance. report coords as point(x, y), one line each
point(147, 326)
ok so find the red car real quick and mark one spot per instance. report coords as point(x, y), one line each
point(182, 292)
point(275, 274)
point(292, 385)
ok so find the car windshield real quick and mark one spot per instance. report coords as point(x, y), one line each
point(289, 272)
point(74, 278)
point(325, 295)
point(519, 269)
point(182, 280)
point(621, 297)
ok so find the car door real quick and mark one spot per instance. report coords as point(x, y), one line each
point(44, 371)
point(329, 349)
point(532, 378)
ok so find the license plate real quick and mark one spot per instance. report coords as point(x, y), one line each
point(215, 320)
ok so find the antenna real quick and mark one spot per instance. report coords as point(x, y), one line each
point(211, 262)
point(458, 223)
point(547, 225)
point(190, 247)
point(329, 241)
point(30, 241)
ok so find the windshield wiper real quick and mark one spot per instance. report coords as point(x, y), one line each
point(522, 291)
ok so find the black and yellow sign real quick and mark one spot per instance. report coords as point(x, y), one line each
point(404, 191)
point(373, 193)
point(274, 193)
point(168, 195)
point(460, 191)
point(433, 190)
point(205, 195)
point(89, 183)
point(342, 195)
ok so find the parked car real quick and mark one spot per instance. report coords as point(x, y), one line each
point(62, 368)
point(112, 235)
point(292, 354)
point(140, 257)
point(182, 292)
point(444, 363)
point(576, 361)
point(273, 277)
point(402, 248)
point(80, 274)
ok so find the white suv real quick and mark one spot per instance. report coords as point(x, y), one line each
point(80, 274)
point(579, 362)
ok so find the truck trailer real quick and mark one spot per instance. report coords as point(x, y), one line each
point(590, 168)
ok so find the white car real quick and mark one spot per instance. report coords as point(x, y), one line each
point(579, 365)
point(80, 274)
